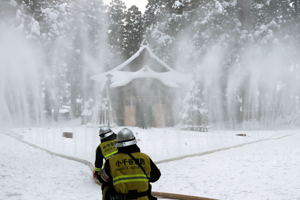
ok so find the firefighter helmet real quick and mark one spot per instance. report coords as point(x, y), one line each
point(105, 132)
point(125, 138)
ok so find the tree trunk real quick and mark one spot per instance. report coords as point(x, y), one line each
point(244, 12)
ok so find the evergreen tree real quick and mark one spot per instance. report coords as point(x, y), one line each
point(86, 46)
point(195, 113)
point(296, 6)
point(133, 31)
point(153, 13)
point(164, 34)
point(116, 17)
point(157, 11)
point(7, 10)
point(244, 12)
point(74, 43)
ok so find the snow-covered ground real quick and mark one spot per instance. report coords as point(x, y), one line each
point(268, 170)
point(266, 167)
point(30, 174)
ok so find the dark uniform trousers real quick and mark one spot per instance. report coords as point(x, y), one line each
point(104, 151)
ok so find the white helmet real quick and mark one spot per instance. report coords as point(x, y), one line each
point(105, 132)
point(125, 138)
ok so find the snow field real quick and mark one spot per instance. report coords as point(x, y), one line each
point(27, 173)
point(261, 171)
point(160, 144)
point(267, 169)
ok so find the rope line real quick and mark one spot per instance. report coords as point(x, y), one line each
point(219, 150)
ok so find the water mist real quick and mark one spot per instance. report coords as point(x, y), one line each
point(20, 67)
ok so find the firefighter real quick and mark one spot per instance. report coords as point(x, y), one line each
point(105, 150)
point(129, 171)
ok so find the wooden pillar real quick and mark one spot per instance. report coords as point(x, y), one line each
point(159, 112)
point(129, 115)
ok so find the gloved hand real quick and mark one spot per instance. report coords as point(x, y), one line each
point(104, 176)
point(96, 177)
point(95, 174)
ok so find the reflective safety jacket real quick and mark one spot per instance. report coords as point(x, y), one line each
point(108, 148)
point(127, 176)
point(105, 150)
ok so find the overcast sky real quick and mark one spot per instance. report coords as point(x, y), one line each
point(139, 3)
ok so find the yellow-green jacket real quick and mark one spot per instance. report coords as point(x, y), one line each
point(127, 177)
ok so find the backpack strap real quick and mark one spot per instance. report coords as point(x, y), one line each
point(137, 162)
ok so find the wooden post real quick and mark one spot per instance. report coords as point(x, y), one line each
point(160, 114)
point(129, 115)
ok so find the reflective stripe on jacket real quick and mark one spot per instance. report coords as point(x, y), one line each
point(108, 148)
point(127, 176)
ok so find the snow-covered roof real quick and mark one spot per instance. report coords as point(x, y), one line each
point(119, 77)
